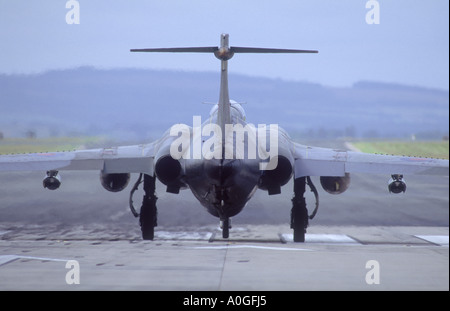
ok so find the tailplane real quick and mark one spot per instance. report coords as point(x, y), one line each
point(224, 53)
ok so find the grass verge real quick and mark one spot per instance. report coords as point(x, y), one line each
point(426, 149)
point(53, 144)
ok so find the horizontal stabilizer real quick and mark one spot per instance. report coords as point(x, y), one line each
point(208, 49)
point(212, 49)
point(236, 49)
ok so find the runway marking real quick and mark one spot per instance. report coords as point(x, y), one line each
point(4, 259)
point(252, 246)
point(435, 239)
point(322, 238)
point(182, 235)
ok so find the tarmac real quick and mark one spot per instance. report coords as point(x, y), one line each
point(255, 258)
point(81, 237)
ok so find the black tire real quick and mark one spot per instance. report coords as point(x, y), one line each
point(148, 221)
point(299, 224)
point(226, 228)
point(299, 212)
point(299, 234)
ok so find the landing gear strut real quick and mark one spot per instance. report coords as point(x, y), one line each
point(225, 221)
point(299, 213)
point(148, 214)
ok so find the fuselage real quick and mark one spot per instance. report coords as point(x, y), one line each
point(224, 159)
point(227, 174)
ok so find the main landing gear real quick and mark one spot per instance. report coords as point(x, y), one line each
point(148, 213)
point(299, 212)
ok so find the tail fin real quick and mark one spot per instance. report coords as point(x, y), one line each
point(224, 52)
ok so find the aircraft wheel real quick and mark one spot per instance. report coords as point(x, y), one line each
point(148, 221)
point(298, 225)
point(226, 228)
point(299, 212)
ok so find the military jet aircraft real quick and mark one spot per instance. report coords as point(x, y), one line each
point(224, 160)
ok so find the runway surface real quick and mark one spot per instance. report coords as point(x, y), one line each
point(364, 239)
point(256, 258)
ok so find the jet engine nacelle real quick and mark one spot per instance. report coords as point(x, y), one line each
point(272, 180)
point(335, 184)
point(115, 182)
point(52, 181)
point(396, 184)
point(168, 170)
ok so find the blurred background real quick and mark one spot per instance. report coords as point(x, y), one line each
point(386, 80)
point(68, 80)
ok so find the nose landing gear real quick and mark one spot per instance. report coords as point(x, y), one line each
point(225, 225)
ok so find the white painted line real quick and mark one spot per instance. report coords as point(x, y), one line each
point(43, 258)
point(252, 246)
point(435, 239)
point(323, 238)
point(181, 235)
point(4, 259)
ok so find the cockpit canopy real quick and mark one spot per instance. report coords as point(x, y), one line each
point(236, 110)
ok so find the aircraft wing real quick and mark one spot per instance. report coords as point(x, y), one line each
point(125, 159)
point(313, 161)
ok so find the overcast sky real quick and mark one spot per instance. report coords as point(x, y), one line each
point(410, 45)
